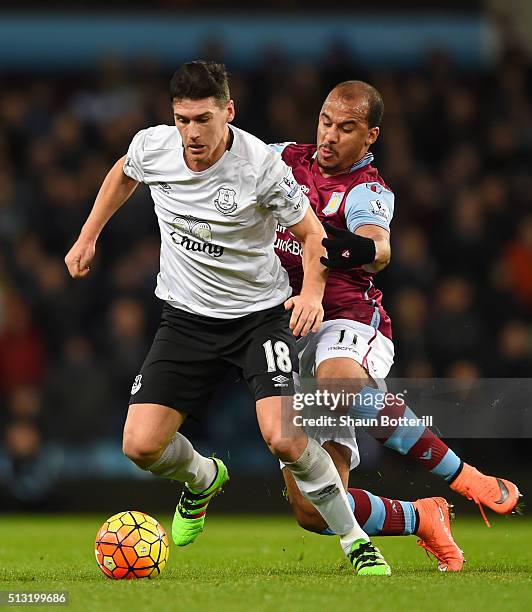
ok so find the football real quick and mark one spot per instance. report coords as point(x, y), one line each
point(131, 545)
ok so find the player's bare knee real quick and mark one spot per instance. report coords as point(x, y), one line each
point(284, 447)
point(141, 451)
point(276, 444)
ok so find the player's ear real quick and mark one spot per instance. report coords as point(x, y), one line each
point(230, 111)
point(372, 136)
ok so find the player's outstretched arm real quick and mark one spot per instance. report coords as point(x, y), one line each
point(115, 190)
point(383, 251)
point(307, 311)
point(368, 247)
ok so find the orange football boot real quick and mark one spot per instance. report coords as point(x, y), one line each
point(435, 533)
point(500, 495)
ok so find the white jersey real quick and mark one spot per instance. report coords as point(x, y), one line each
point(218, 226)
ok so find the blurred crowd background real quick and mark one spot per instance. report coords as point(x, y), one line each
point(455, 147)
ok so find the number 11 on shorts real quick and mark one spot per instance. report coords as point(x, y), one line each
point(278, 354)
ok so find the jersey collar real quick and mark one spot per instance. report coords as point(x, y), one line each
point(367, 159)
point(364, 161)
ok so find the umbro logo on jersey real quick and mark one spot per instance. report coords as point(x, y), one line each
point(225, 201)
point(165, 187)
point(280, 381)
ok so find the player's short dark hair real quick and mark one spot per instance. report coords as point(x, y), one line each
point(373, 97)
point(200, 79)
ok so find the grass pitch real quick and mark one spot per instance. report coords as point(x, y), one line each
point(269, 564)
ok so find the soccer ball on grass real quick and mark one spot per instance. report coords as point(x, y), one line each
point(131, 545)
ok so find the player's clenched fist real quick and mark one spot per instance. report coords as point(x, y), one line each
point(307, 314)
point(79, 257)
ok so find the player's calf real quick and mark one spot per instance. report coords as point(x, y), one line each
point(203, 477)
point(310, 520)
point(306, 515)
point(319, 482)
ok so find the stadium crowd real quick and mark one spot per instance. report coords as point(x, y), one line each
point(455, 148)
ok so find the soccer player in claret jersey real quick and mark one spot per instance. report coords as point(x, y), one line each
point(355, 341)
point(219, 193)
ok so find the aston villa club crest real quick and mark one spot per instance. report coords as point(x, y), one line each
point(334, 203)
point(225, 201)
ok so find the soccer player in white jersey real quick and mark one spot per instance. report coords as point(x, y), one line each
point(219, 193)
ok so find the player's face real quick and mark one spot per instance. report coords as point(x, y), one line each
point(203, 128)
point(344, 135)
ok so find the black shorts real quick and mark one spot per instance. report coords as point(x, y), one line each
point(192, 353)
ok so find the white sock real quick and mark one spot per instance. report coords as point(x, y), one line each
point(318, 480)
point(181, 462)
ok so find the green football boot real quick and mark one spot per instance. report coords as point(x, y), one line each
point(189, 517)
point(367, 560)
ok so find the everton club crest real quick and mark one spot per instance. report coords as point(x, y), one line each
point(225, 201)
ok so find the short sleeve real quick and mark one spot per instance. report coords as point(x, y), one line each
point(369, 204)
point(135, 157)
point(278, 191)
